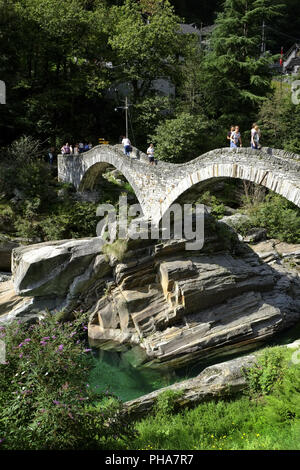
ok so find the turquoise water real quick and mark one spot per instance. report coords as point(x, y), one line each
point(116, 371)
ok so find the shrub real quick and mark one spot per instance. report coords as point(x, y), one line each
point(180, 139)
point(268, 370)
point(45, 402)
point(167, 402)
point(284, 404)
point(280, 217)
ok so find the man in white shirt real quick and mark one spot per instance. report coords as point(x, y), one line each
point(150, 153)
point(127, 146)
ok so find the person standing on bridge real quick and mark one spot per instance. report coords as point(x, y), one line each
point(236, 139)
point(127, 146)
point(150, 153)
point(255, 136)
point(230, 134)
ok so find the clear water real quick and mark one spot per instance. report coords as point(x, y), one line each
point(116, 371)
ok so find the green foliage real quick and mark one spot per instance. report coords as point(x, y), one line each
point(116, 249)
point(280, 217)
point(167, 402)
point(217, 425)
point(181, 138)
point(44, 398)
point(269, 369)
point(66, 220)
point(218, 208)
point(268, 419)
point(146, 39)
point(21, 168)
point(284, 404)
point(234, 68)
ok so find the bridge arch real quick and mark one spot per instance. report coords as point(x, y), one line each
point(274, 177)
point(158, 187)
point(84, 170)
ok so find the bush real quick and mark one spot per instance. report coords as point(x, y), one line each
point(284, 404)
point(45, 402)
point(280, 217)
point(181, 139)
point(167, 402)
point(269, 370)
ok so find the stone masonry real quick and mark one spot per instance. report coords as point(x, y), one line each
point(157, 187)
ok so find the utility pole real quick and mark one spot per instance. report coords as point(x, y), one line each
point(201, 34)
point(126, 107)
point(126, 115)
point(263, 41)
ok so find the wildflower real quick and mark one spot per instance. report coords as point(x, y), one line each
point(56, 402)
point(60, 347)
point(53, 337)
point(86, 350)
point(27, 340)
point(20, 345)
point(45, 338)
point(43, 343)
point(21, 355)
point(257, 435)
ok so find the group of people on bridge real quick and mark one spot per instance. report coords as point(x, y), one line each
point(76, 149)
point(128, 149)
point(235, 138)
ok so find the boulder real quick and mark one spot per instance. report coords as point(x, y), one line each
point(235, 220)
point(217, 381)
point(175, 306)
point(181, 306)
point(49, 269)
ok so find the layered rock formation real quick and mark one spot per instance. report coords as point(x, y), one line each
point(175, 305)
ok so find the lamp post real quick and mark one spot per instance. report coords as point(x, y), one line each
point(126, 107)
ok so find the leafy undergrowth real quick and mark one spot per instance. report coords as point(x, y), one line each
point(45, 401)
point(266, 417)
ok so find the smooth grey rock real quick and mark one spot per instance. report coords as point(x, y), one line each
point(217, 381)
point(48, 269)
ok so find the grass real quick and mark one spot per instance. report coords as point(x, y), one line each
point(226, 425)
point(265, 417)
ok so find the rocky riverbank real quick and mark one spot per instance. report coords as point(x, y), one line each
point(177, 306)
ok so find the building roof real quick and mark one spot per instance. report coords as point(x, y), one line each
point(189, 29)
point(193, 29)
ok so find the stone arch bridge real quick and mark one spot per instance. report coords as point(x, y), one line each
point(157, 187)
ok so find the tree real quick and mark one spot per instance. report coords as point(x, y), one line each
point(181, 138)
point(237, 76)
point(144, 38)
point(57, 49)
